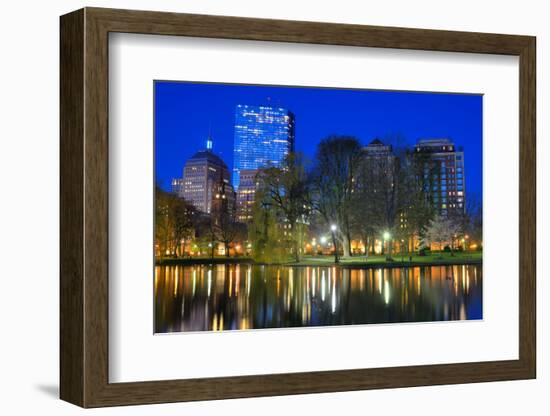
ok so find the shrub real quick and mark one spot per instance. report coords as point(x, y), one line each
point(424, 251)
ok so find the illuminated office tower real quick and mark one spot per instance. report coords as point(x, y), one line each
point(444, 163)
point(206, 181)
point(246, 194)
point(264, 136)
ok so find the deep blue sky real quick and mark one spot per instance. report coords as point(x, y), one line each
point(184, 113)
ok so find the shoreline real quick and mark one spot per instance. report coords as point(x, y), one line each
point(308, 263)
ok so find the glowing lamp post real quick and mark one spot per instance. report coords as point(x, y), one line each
point(211, 247)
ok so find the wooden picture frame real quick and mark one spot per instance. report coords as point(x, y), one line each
point(84, 207)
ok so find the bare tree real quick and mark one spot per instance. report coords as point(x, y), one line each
point(285, 190)
point(333, 178)
point(416, 206)
point(223, 224)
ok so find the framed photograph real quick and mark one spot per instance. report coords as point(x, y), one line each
point(257, 207)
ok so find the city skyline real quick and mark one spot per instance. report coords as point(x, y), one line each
point(372, 218)
point(187, 113)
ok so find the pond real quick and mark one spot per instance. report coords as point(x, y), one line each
point(240, 296)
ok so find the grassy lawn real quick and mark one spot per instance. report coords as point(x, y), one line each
point(433, 258)
point(471, 257)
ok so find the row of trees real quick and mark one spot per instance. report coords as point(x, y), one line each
point(178, 223)
point(344, 193)
point(359, 196)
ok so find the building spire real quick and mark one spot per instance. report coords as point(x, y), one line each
point(209, 139)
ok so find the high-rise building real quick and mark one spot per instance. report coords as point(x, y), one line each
point(376, 173)
point(177, 186)
point(444, 163)
point(264, 136)
point(246, 194)
point(378, 149)
point(206, 180)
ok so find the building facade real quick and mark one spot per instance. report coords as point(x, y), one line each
point(264, 136)
point(206, 181)
point(377, 149)
point(444, 163)
point(246, 194)
point(376, 173)
point(177, 186)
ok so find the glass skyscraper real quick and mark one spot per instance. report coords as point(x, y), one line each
point(264, 136)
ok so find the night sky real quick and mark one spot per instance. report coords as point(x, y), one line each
point(185, 112)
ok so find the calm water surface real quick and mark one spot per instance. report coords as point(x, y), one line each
point(229, 297)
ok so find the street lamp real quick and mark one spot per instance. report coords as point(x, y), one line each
point(333, 229)
point(211, 247)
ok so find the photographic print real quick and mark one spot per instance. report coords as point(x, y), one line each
point(295, 206)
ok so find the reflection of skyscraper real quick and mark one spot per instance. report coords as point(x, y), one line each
point(206, 179)
point(264, 135)
point(446, 165)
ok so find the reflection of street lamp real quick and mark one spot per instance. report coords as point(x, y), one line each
point(333, 229)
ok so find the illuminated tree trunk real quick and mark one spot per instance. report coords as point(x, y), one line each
point(346, 246)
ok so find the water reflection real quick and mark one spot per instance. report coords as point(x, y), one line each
point(228, 297)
